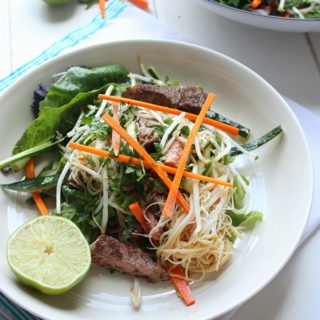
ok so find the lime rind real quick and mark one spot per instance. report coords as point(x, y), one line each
point(49, 253)
point(57, 2)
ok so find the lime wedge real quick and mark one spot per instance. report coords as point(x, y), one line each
point(49, 253)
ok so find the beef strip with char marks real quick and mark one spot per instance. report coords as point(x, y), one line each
point(111, 253)
point(188, 98)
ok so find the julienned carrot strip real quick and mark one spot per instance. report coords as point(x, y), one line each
point(169, 205)
point(145, 156)
point(102, 8)
point(143, 4)
point(138, 213)
point(214, 123)
point(137, 162)
point(182, 285)
point(30, 169)
point(35, 195)
point(115, 135)
point(255, 3)
point(40, 204)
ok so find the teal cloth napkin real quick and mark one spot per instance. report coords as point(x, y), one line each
point(10, 311)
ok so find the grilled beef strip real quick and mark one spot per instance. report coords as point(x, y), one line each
point(173, 155)
point(126, 258)
point(147, 134)
point(188, 98)
point(152, 222)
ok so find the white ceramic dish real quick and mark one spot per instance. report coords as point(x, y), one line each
point(262, 253)
point(262, 21)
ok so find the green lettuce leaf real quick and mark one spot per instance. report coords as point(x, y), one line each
point(62, 106)
point(79, 79)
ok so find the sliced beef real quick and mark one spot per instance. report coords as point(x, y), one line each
point(147, 134)
point(152, 222)
point(173, 155)
point(111, 253)
point(189, 98)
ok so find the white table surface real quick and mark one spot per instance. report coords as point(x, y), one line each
point(288, 61)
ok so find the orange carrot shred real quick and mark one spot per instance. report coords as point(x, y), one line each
point(40, 204)
point(214, 123)
point(137, 162)
point(115, 135)
point(171, 199)
point(137, 211)
point(143, 4)
point(182, 285)
point(255, 3)
point(145, 156)
point(102, 8)
point(35, 195)
point(30, 169)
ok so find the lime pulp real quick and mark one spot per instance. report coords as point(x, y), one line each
point(49, 253)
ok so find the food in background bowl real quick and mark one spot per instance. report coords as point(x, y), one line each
point(303, 9)
point(288, 16)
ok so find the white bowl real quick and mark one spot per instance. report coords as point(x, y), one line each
point(258, 257)
point(262, 21)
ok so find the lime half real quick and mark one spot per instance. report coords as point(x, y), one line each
point(49, 253)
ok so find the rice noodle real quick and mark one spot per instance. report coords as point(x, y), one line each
point(197, 241)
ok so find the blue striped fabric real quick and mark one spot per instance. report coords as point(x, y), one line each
point(114, 7)
point(9, 310)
